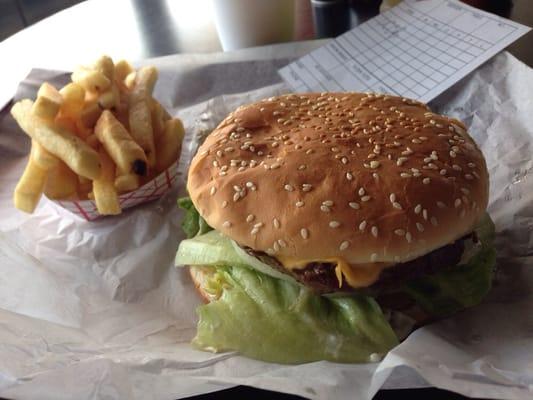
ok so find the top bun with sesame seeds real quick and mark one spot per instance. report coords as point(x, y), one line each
point(372, 180)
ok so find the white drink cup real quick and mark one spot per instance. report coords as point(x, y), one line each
point(248, 23)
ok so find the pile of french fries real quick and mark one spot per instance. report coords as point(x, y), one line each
point(99, 136)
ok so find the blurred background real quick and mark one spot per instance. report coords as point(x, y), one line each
point(331, 17)
point(163, 27)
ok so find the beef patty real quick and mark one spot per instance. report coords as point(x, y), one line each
point(321, 278)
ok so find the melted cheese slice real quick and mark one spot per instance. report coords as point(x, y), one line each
point(357, 276)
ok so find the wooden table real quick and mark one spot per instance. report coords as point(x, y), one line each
point(139, 29)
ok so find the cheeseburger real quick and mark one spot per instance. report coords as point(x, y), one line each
point(327, 226)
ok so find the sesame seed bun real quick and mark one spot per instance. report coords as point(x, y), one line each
point(363, 177)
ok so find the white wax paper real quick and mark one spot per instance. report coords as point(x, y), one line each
point(96, 309)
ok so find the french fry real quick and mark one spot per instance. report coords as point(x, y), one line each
point(90, 79)
point(129, 81)
point(90, 113)
point(62, 143)
point(104, 64)
point(110, 98)
point(91, 96)
point(42, 157)
point(122, 70)
point(84, 187)
point(127, 155)
point(140, 119)
point(168, 145)
point(159, 116)
point(66, 122)
point(73, 99)
point(126, 183)
point(82, 131)
point(92, 141)
point(62, 182)
point(30, 187)
point(48, 102)
point(105, 194)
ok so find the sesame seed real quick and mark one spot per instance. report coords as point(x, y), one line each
point(250, 218)
point(306, 187)
point(328, 203)
point(373, 257)
point(434, 221)
point(399, 232)
point(236, 196)
point(344, 245)
point(304, 233)
point(282, 243)
point(226, 224)
point(400, 161)
point(469, 177)
point(288, 188)
point(324, 208)
point(334, 224)
point(408, 237)
point(365, 198)
point(361, 192)
point(275, 166)
point(302, 167)
point(224, 204)
point(213, 191)
point(420, 227)
point(258, 225)
point(354, 205)
point(457, 203)
point(440, 204)
point(456, 167)
point(443, 171)
point(397, 205)
point(418, 208)
point(374, 164)
point(426, 181)
point(254, 231)
point(349, 176)
point(405, 175)
point(299, 203)
point(425, 214)
point(392, 197)
point(471, 165)
point(276, 223)
point(453, 154)
point(374, 231)
point(276, 246)
point(362, 225)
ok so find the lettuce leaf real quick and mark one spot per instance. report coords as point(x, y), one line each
point(276, 321)
point(209, 249)
point(193, 224)
point(461, 286)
